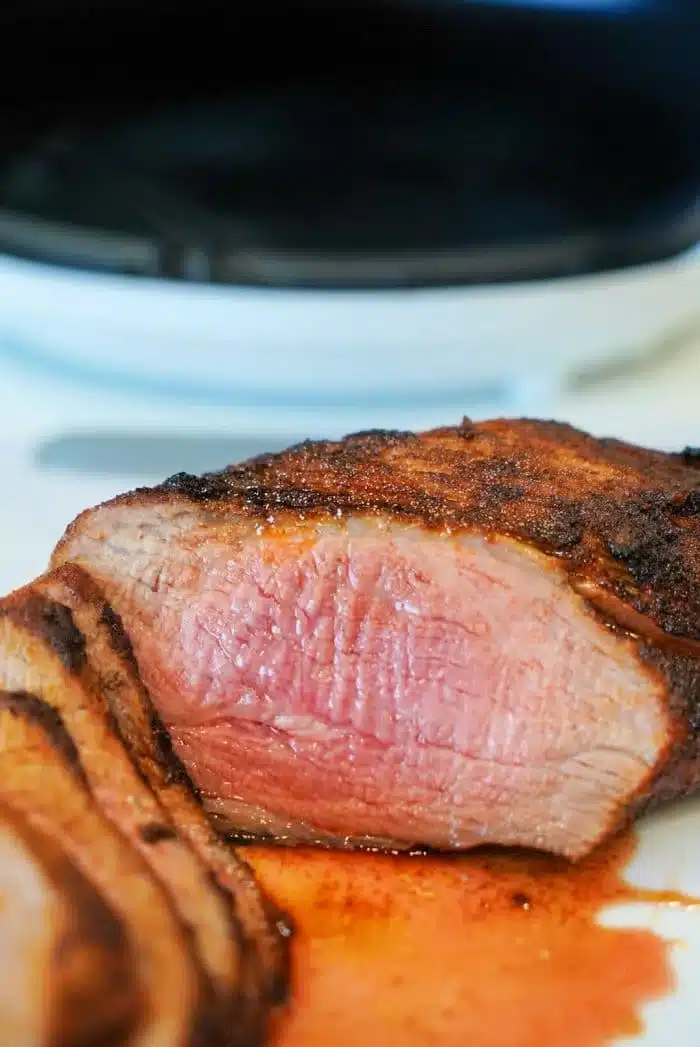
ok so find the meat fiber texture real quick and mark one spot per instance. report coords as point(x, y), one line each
point(480, 634)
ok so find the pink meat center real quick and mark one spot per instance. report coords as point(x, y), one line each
point(391, 684)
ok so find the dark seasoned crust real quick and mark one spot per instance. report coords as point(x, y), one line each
point(623, 516)
point(264, 934)
point(156, 832)
point(54, 623)
point(204, 906)
point(157, 740)
point(23, 704)
point(37, 780)
point(624, 522)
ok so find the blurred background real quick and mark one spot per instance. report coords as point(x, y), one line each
point(228, 227)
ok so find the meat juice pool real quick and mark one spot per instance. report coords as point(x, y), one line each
point(497, 948)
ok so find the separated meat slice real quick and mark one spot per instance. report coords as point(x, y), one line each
point(265, 943)
point(52, 659)
point(67, 970)
point(41, 776)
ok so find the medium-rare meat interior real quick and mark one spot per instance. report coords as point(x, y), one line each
point(486, 633)
point(67, 973)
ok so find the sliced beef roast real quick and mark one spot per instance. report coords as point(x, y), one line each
point(67, 975)
point(41, 776)
point(119, 697)
point(50, 659)
point(488, 633)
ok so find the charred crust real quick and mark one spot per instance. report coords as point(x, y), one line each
point(560, 531)
point(648, 559)
point(63, 635)
point(690, 506)
point(39, 712)
point(169, 762)
point(650, 547)
point(53, 624)
point(691, 456)
point(118, 637)
point(289, 499)
point(278, 987)
point(275, 988)
point(502, 491)
point(162, 745)
point(50, 622)
point(626, 514)
point(157, 832)
point(163, 751)
point(677, 769)
point(207, 488)
point(386, 436)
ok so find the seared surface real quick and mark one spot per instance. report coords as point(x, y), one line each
point(64, 653)
point(41, 618)
point(625, 516)
point(199, 566)
point(41, 775)
point(37, 780)
point(262, 938)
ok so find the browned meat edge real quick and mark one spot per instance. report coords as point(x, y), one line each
point(264, 930)
point(109, 773)
point(94, 999)
point(33, 780)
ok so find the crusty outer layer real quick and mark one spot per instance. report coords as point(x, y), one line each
point(624, 520)
point(62, 617)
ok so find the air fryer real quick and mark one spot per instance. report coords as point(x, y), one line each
point(350, 145)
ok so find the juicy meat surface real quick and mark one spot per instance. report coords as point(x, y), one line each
point(488, 633)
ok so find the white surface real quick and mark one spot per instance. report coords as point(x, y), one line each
point(285, 347)
point(668, 858)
